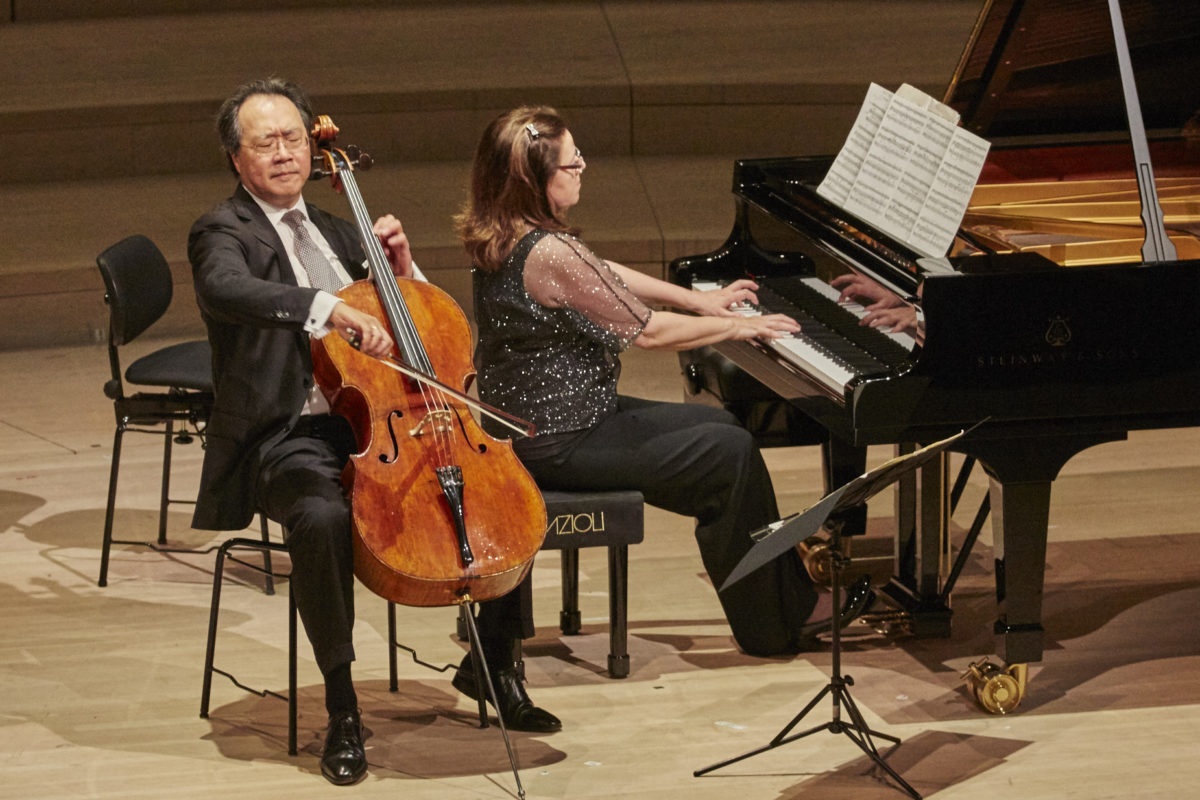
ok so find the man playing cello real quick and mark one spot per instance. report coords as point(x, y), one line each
point(265, 266)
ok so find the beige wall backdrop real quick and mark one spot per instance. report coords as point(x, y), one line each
point(106, 122)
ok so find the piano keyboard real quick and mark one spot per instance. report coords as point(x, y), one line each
point(831, 294)
point(831, 346)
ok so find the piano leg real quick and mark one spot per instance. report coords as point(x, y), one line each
point(843, 462)
point(1020, 515)
point(1022, 470)
point(921, 540)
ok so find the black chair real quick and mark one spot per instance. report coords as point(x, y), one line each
point(575, 520)
point(138, 290)
point(224, 552)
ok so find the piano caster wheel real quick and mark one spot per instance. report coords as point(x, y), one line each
point(997, 691)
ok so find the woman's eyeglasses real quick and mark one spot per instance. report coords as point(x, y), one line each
point(577, 166)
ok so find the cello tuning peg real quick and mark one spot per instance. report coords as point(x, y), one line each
point(358, 158)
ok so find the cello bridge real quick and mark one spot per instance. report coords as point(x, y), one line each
point(441, 420)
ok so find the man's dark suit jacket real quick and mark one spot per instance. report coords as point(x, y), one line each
point(262, 366)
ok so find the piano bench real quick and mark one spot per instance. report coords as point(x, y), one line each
point(594, 519)
point(612, 519)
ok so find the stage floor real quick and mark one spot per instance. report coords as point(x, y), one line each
point(100, 687)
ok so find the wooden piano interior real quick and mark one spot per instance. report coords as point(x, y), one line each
point(1088, 212)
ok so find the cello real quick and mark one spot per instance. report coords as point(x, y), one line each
point(442, 512)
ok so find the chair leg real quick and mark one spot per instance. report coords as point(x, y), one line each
point(110, 509)
point(393, 670)
point(211, 646)
point(214, 610)
point(291, 674)
point(268, 575)
point(618, 611)
point(569, 620)
point(164, 499)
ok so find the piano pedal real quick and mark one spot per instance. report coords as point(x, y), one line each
point(894, 623)
point(818, 562)
point(818, 559)
point(996, 690)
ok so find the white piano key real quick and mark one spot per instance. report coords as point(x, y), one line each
point(813, 361)
point(798, 349)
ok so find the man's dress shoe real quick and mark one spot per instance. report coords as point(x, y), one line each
point(859, 597)
point(344, 760)
point(516, 709)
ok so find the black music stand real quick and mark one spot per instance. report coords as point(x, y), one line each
point(775, 540)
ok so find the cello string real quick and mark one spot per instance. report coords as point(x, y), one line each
point(407, 335)
point(401, 321)
point(398, 314)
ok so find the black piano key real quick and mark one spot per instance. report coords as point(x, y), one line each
point(794, 293)
point(830, 343)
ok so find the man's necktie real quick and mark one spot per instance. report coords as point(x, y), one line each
point(320, 272)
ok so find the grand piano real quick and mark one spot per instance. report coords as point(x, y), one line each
point(1045, 324)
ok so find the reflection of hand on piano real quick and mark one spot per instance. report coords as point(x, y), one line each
point(860, 288)
point(881, 308)
point(893, 319)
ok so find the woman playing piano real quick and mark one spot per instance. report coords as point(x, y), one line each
point(553, 318)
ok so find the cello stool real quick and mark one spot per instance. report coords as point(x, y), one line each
point(224, 553)
point(612, 519)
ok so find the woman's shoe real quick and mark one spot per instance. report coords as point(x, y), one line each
point(516, 709)
point(859, 597)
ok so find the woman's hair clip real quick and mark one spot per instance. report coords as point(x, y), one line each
point(533, 132)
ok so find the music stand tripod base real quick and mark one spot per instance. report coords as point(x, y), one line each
point(856, 728)
point(781, 537)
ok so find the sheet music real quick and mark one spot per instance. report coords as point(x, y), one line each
point(844, 170)
point(907, 168)
point(949, 193)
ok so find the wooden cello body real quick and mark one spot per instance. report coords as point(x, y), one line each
point(442, 511)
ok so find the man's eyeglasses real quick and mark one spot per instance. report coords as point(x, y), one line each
point(293, 141)
point(577, 165)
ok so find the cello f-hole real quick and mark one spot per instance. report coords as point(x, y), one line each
point(383, 457)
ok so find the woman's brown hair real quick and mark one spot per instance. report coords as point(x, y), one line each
point(517, 155)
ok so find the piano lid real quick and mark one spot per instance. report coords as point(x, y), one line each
point(1048, 69)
